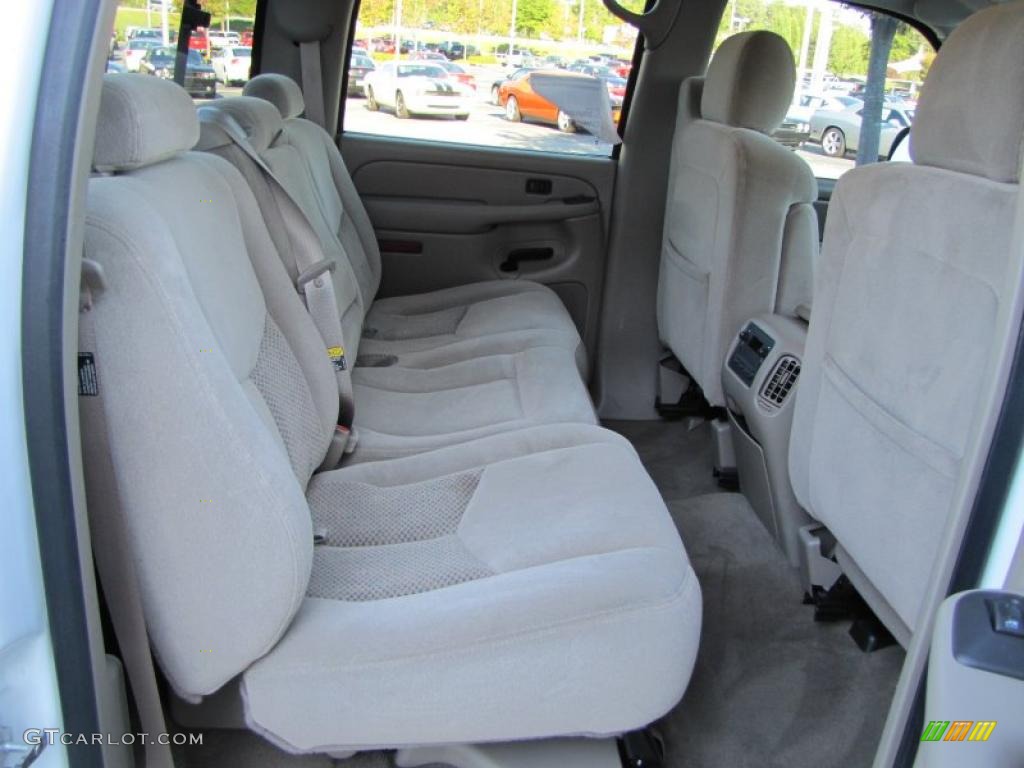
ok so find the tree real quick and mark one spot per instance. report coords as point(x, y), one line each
point(849, 52)
point(376, 13)
point(533, 16)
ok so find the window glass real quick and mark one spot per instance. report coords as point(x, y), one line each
point(145, 36)
point(834, 46)
point(477, 89)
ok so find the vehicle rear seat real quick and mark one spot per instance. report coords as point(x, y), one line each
point(414, 391)
point(524, 585)
point(423, 330)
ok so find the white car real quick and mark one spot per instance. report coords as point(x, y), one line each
point(136, 50)
point(232, 64)
point(805, 105)
point(416, 88)
point(220, 39)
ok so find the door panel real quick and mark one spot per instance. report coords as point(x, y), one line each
point(974, 710)
point(447, 215)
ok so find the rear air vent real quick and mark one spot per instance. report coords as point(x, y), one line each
point(781, 382)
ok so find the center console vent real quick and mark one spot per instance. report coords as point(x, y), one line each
point(780, 383)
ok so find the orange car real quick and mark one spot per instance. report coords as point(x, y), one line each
point(521, 101)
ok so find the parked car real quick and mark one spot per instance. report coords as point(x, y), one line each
point(359, 66)
point(517, 58)
point(458, 73)
point(838, 132)
point(199, 41)
point(496, 86)
point(246, 38)
point(147, 34)
point(220, 39)
point(416, 88)
point(383, 44)
point(426, 55)
point(805, 105)
point(521, 101)
point(200, 78)
point(136, 50)
point(232, 64)
point(793, 132)
point(454, 50)
point(555, 62)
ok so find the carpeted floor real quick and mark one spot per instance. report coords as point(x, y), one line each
point(771, 687)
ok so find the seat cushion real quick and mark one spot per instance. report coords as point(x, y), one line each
point(461, 323)
point(403, 410)
point(523, 586)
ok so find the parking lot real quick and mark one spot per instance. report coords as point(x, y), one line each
point(487, 126)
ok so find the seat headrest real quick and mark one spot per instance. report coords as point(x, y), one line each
point(279, 90)
point(750, 82)
point(259, 119)
point(142, 120)
point(970, 117)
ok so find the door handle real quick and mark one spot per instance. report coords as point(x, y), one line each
point(511, 262)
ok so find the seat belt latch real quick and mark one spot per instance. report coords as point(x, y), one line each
point(337, 356)
point(312, 272)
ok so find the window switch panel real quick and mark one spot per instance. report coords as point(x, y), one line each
point(1008, 615)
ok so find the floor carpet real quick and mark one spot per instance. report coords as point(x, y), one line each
point(771, 687)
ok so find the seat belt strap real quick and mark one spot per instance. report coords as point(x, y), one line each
point(313, 82)
point(314, 279)
point(109, 532)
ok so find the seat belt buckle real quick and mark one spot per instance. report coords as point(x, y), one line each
point(337, 357)
point(312, 272)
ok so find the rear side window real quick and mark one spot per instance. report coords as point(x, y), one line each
point(217, 63)
point(832, 45)
point(460, 72)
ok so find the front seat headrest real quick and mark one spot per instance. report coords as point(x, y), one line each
point(750, 82)
point(142, 120)
point(280, 90)
point(970, 117)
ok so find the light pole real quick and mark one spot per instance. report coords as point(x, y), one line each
point(805, 41)
point(582, 24)
point(821, 48)
point(398, 29)
point(163, 21)
point(512, 31)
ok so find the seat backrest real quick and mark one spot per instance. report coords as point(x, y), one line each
point(740, 231)
point(911, 283)
point(265, 131)
point(337, 200)
point(219, 400)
